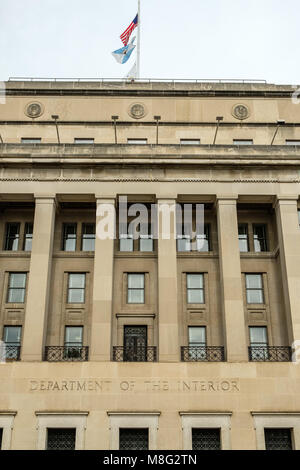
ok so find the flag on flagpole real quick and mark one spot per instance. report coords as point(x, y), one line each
point(126, 34)
point(131, 75)
point(122, 55)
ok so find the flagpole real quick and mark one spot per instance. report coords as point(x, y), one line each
point(138, 49)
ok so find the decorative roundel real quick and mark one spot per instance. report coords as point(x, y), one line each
point(241, 111)
point(34, 109)
point(137, 111)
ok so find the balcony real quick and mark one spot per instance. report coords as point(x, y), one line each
point(9, 352)
point(270, 353)
point(139, 354)
point(66, 353)
point(202, 354)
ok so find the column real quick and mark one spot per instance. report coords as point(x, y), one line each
point(231, 280)
point(100, 349)
point(39, 279)
point(167, 281)
point(289, 247)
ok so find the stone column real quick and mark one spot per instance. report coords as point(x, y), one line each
point(100, 349)
point(231, 280)
point(167, 282)
point(289, 247)
point(39, 279)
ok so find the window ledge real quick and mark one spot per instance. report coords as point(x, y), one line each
point(15, 254)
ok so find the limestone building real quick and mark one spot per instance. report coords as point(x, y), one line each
point(180, 342)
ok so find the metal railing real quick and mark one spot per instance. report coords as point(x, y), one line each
point(270, 353)
point(136, 80)
point(9, 352)
point(140, 354)
point(66, 353)
point(202, 353)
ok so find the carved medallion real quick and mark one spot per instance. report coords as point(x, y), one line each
point(137, 111)
point(241, 111)
point(34, 109)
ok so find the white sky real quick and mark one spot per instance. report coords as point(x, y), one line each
point(196, 39)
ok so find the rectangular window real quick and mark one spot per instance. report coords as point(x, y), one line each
point(126, 242)
point(69, 237)
point(12, 236)
point(76, 288)
point(260, 237)
point(137, 141)
point(61, 439)
point(206, 439)
point(28, 237)
point(195, 288)
point(133, 439)
point(73, 342)
point(243, 238)
point(189, 141)
point(292, 142)
point(203, 240)
point(197, 336)
point(278, 439)
point(16, 288)
point(12, 335)
point(242, 141)
point(83, 141)
point(31, 140)
point(254, 289)
point(88, 237)
point(258, 336)
point(136, 288)
point(146, 243)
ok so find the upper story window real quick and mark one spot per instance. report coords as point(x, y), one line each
point(12, 236)
point(88, 237)
point(243, 238)
point(197, 335)
point(12, 335)
point(137, 141)
point(184, 242)
point(195, 288)
point(69, 236)
point(129, 241)
point(254, 289)
point(136, 288)
point(16, 288)
point(31, 140)
point(83, 141)
point(292, 142)
point(258, 336)
point(260, 237)
point(189, 141)
point(28, 236)
point(242, 141)
point(76, 288)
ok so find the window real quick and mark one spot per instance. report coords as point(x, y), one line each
point(292, 142)
point(12, 236)
point(195, 288)
point(260, 237)
point(146, 243)
point(183, 243)
point(254, 289)
point(134, 439)
point(69, 237)
point(258, 336)
point(83, 141)
point(28, 237)
point(243, 141)
point(76, 288)
point(278, 439)
point(243, 238)
point(6, 426)
point(135, 343)
point(61, 439)
point(126, 242)
point(203, 240)
point(31, 140)
point(137, 141)
point(12, 340)
point(189, 141)
point(206, 439)
point(88, 237)
point(73, 341)
point(16, 288)
point(197, 336)
point(136, 288)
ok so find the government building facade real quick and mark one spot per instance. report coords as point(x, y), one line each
point(186, 338)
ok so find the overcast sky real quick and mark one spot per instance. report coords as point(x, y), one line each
point(196, 39)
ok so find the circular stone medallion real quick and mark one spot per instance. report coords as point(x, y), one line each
point(240, 111)
point(34, 109)
point(137, 111)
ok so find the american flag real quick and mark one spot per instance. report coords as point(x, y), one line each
point(126, 35)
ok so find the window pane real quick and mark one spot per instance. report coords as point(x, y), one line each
point(61, 439)
point(255, 297)
point(28, 237)
point(83, 141)
point(12, 334)
point(76, 280)
point(136, 281)
point(16, 296)
point(195, 296)
point(88, 244)
point(206, 439)
point(126, 244)
point(133, 439)
point(136, 296)
point(242, 142)
point(197, 334)
point(190, 141)
point(243, 238)
point(254, 281)
point(203, 240)
point(70, 237)
point(146, 244)
point(258, 334)
point(12, 236)
point(278, 439)
point(183, 244)
point(31, 140)
point(17, 280)
point(137, 141)
point(195, 281)
point(73, 335)
point(76, 296)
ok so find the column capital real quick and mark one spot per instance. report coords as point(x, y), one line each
point(106, 199)
point(286, 199)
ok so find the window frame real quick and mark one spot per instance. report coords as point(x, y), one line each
point(26, 237)
point(242, 224)
point(265, 238)
point(76, 288)
point(45, 420)
point(137, 141)
point(83, 228)
point(190, 141)
point(134, 420)
point(201, 289)
point(7, 238)
point(190, 420)
point(9, 288)
point(262, 290)
point(242, 141)
point(64, 238)
point(135, 288)
point(84, 141)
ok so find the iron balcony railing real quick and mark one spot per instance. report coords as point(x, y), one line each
point(9, 352)
point(140, 354)
point(202, 353)
point(66, 353)
point(270, 353)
